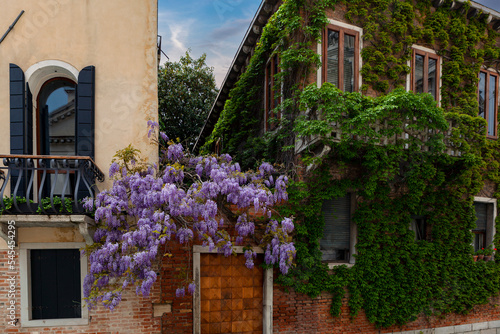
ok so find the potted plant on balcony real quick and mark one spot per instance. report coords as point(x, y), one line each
point(488, 253)
point(480, 254)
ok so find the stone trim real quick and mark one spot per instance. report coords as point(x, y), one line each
point(488, 327)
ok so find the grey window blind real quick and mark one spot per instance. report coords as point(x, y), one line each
point(333, 58)
point(337, 213)
point(349, 49)
point(481, 216)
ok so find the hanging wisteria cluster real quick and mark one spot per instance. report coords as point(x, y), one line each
point(180, 200)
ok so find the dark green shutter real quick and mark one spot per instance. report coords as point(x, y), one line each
point(85, 97)
point(337, 231)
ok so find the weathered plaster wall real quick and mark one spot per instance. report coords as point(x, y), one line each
point(117, 37)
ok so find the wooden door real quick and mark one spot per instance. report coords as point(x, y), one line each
point(231, 295)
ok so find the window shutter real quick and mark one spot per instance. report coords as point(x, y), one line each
point(21, 123)
point(337, 231)
point(55, 283)
point(17, 111)
point(85, 96)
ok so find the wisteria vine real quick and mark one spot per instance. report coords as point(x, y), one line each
point(182, 199)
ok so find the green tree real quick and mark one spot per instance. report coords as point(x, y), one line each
point(186, 92)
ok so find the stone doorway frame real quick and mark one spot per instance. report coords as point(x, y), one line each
point(267, 299)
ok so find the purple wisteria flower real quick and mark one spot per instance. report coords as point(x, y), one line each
point(179, 201)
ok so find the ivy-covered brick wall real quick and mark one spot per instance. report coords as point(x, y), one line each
point(396, 279)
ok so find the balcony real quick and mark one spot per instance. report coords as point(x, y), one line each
point(47, 185)
point(424, 138)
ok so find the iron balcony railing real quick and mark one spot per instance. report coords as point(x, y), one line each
point(42, 184)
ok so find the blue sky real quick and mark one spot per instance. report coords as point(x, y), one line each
point(214, 27)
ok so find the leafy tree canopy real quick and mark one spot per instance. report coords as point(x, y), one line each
point(186, 92)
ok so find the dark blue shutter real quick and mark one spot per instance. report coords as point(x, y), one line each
point(85, 96)
point(21, 123)
point(18, 140)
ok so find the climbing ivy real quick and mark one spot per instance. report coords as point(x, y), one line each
point(392, 175)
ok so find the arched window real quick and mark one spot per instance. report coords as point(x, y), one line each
point(56, 118)
point(47, 125)
point(49, 90)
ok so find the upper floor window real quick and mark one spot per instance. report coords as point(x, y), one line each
point(341, 58)
point(51, 286)
point(64, 111)
point(488, 100)
point(273, 95)
point(425, 73)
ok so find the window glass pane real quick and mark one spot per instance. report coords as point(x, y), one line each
point(419, 73)
point(432, 77)
point(492, 101)
point(275, 71)
point(478, 242)
point(57, 108)
point(337, 231)
point(482, 94)
point(419, 226)
point(349, 63)
point(269, 86)
point(332, 58)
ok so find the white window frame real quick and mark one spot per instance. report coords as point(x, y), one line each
point(319, 75)
point(409, 63)
point(353, 238)
point(490, 224)
point(25, 278)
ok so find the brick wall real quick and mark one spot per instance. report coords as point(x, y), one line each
point(134, 314)
point(180, 320)
point(297, 313)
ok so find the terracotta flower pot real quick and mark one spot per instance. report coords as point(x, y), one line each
point(474, 257)
point(480, 257)
point(487, 258)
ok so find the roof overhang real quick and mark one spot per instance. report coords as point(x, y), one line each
point(252, 35)
point(240, 60)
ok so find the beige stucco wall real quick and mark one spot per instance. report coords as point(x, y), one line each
point(119, 38)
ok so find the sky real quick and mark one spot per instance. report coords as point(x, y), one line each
point(214, 27)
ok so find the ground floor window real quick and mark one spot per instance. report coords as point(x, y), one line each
point(484, 229)
point(337, 243)
point(55, 283)
point(51, 277)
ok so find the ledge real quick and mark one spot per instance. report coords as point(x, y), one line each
point(82, 221)
point(47, 220)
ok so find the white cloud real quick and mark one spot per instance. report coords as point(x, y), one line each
point(175, 34)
